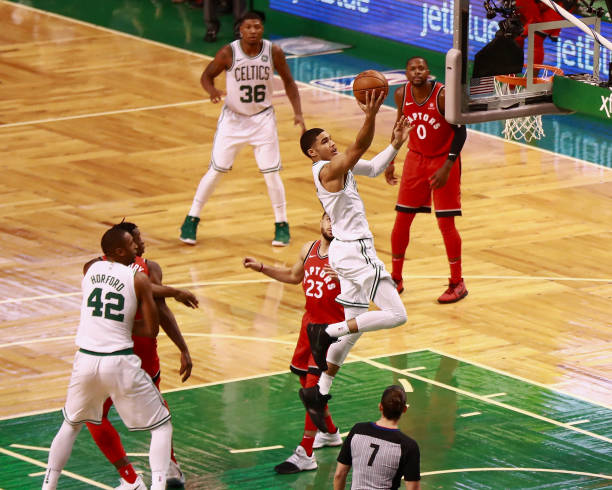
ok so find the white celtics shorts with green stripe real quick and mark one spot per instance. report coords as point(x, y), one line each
point(236, 130)
point(95, 377)
point(359, 269)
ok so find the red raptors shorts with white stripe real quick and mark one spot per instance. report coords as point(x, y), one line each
point(415, 193)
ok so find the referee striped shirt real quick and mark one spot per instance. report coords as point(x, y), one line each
point(380, 457)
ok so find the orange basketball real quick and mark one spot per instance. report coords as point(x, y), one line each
point(369, 80)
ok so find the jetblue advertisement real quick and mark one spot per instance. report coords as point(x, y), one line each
point(430, 25)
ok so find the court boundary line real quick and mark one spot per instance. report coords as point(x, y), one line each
point(211, 383)
point(249, 281)
point(482, 398)
point(40, 464)
point(520, 378)
point(539, 470)
point(371, 361)
point(206, 57)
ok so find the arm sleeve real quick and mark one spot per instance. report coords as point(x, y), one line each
point(458, 140)
point(345, 456)
point(411, 461)
point(378, 164)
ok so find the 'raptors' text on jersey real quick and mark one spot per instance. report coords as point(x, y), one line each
point(431, 135)
point(320, 289)
point(249, 81)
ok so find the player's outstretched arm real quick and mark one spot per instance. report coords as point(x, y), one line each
point(162, 291)
point(291, 89)
point(149, 327)
point(289, 275)
point(378, 164)
point(222, 61)
point(169, 324)
point(332, 174)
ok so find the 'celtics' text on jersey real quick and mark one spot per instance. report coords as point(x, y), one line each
point(249, 80)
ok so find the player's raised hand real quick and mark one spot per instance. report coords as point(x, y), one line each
point(401, 130)
point(373, 102)
point(186, 365)
point(216, 94)
point(187, 298)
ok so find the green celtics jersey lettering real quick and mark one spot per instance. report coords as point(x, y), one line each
point(108, 308)
point(249, 80)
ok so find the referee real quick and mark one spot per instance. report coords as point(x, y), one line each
point(378, 452)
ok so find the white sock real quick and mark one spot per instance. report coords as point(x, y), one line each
point(337, 329)
point(325, 382)
point(205, 189)
point(276, 191)
point(158, 480)
point(51, 479)
point(159, 454)
point(59, 453)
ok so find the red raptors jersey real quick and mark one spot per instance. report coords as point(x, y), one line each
point(320, 289)
point(431, 135)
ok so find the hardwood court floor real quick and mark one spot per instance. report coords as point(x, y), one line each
point(96, 126)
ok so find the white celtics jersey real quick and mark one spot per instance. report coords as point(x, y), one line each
point(344, 208)
point(108, 308)
point(249, 80)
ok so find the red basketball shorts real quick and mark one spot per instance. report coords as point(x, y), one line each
point(415, 192)
point(302, 362)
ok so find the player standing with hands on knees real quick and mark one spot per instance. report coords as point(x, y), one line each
point(432, 166)
point(363, 278)
point(105, 364)
point(247, 118)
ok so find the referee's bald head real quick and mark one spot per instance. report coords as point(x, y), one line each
point(393, 402)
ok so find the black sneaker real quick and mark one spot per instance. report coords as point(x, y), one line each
point(315, 404)
point(319, 343)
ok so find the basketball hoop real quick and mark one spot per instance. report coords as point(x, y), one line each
point(529, 127)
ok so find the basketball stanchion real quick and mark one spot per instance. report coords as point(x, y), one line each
point(529, 127)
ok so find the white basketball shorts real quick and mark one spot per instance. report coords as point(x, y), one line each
point(95, 378)
point(359, 269)
point(235, 131)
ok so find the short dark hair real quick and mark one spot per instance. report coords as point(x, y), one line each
point(417, 58)
point(393, 402)
point(113, 239)
point(250, 15)
point(126, 225)
point(308, 139)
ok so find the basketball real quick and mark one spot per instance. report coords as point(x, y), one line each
point(369, 80)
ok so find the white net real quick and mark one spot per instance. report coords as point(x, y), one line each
point(526, 128)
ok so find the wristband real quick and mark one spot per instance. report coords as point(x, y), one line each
point(261, 268)
point(452, 157)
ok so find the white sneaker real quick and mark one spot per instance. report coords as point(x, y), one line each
point(327, 439)
point(139, 484)
point(297, 462)
point(174, 476)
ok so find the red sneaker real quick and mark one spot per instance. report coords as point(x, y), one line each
point(399, 284)
point(454, 293)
